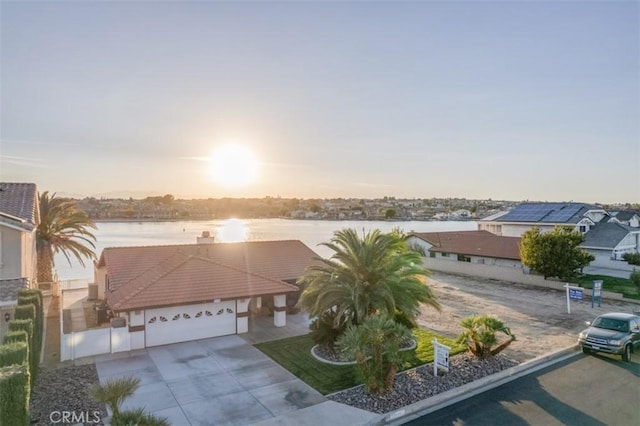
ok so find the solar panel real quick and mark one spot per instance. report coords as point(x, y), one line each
point(542, 212)
point(564, 214)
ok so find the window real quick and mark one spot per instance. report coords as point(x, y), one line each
point(463, 258)
point(432, 254)
point(583, 228)
point(445, 254)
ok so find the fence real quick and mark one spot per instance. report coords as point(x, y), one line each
point(94, 342)
point(514, 275)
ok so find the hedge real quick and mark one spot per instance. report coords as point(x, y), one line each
point(14, 353)
point(16, 336)
point(14, 395)
point(34, 297)
point(26, 325)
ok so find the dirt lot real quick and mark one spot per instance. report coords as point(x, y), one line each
point(538, 317)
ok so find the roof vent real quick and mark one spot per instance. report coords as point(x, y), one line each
point(206, 238)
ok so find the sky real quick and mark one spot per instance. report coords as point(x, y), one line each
point(535, 100)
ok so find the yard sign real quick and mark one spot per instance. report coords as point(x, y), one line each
point(596, 292)
point(440, 357)
point(573, 293)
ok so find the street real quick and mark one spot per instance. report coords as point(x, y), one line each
point(584, 390)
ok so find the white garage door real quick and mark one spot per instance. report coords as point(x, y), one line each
point(189, 322)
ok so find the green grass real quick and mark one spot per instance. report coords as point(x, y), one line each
point(617, 285)
point(294, 354)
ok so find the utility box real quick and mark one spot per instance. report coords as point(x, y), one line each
point(93, 292)
point(118, 322)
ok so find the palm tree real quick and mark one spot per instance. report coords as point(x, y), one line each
point(113, 392)
point(375, 345)
point(480, 335)
point(373, 274)
point(63, 229)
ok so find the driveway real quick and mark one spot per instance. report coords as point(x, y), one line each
point(223, 380)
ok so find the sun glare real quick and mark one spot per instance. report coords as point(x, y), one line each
point(234, 166)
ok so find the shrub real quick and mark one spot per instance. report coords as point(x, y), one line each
point(635, 278)
point(324, 331)
point(26, 325)
point(375, 345)
point(113, 392)
point(140, 418)
point(632, 258)
point(29, 296)
point(14, 353)
point(14, 395)
point(16, 336)
point(480, 335)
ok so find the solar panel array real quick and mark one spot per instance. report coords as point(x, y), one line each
point(542, 212)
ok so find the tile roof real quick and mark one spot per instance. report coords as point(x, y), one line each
point(606, 235)
point(19, 204)
point(153, 276)
point(473, 243)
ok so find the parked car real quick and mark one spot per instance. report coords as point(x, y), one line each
point(614, 333)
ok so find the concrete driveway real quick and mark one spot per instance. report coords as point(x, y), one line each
point(222, 380)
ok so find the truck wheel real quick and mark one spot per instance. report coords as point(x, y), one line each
point(586, 350)
point(626, 354)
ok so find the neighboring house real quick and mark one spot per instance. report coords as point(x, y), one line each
point(611, 240)
point(626, 217)
point(481, 247)
point(546, 216)
point(185, 292)
point(19, 218)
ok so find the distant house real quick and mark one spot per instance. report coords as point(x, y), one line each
point(611, 240)
point(481, 247)
point(546, 216)
point(626, 217)
point(176, 293)
point(19, 218)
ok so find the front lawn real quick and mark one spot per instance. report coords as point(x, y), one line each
point(294, 354)
point(617, 285)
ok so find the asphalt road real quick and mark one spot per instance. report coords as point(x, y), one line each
point(584, 390)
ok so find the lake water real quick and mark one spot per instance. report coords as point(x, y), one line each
point(310, 232)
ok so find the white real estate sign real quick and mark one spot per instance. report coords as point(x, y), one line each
point(440, 357)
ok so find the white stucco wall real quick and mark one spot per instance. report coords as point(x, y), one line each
point(11, 263)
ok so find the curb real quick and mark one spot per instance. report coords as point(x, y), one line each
point(437, 402)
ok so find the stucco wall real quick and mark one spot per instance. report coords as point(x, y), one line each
point(500, 273)
point(11, 261)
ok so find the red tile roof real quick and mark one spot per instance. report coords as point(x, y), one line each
point(154, 276)
point(472, 243)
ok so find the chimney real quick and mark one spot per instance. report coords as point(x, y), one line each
point(206, 238)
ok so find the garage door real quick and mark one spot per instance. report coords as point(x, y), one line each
point(189, 322)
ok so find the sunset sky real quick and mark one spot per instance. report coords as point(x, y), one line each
point(504, 100)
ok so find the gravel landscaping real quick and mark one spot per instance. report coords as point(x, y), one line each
point(64, 389)
point(419, 383)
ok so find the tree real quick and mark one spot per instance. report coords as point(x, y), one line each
point(480, 335)
point(375, 345)
point(372, 274)
point(62, 228)
point(555, 253)
point(389, 214)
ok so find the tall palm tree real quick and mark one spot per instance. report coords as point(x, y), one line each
point(62, 229)
point(373, 274)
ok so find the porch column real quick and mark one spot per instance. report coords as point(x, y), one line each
point(280, 310)
point(242, 315)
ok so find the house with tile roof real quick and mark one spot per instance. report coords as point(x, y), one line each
point(19, 218)
point(545, 216)
point(480, 247)
point(175, 293)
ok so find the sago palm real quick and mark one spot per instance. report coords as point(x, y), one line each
point(114, 392)
point(62, 229)
point(372, 274)
point(375, 346)
point(480, 335)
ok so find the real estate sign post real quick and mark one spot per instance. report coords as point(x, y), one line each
point(440, 357)
point(573, 293)
point(596, 292)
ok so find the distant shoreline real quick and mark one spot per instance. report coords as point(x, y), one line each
point(124, 220)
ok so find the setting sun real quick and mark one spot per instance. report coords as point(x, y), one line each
point(234, 166)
